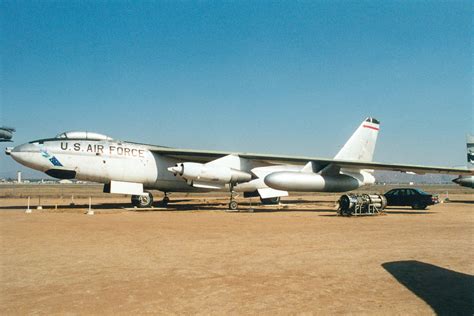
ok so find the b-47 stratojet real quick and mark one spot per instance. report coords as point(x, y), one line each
point(132, 168)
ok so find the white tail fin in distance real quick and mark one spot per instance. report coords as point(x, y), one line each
point(470, 151)
point(361, 145)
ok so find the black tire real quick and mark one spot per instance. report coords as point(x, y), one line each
point(165, 201)
point(417, 206)
point(142, 201)
point(346, 212)
point(270, 201)
point(233, 205)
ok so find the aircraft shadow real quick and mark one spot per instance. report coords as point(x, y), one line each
point(176, 201)
point(243, 207)
point(158, 207)
point(274, 210)
point(48, 206)
point(462, 201)
point(72, 207)
point(390, 211)
point(384, 212)
point(287, 206)
point(447, 292)
point(305, 202)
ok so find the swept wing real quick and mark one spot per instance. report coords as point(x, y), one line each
point(206, 156)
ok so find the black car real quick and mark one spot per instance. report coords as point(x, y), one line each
point(416, 198)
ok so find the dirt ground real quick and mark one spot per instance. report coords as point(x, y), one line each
point(195, 258)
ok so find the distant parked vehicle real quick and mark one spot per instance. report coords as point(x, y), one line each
point(416, 198)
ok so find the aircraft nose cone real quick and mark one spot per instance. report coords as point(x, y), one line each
point(20, 150)
point(277, 180)
point(26, 154)
point(465, 181)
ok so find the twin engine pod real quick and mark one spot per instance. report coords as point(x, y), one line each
point(209, 173)
point(361, 204)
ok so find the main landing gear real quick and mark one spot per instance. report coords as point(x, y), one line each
point(146, 200)
point(165, 200)
point(142, 201)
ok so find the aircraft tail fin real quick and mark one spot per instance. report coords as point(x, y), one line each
point(361, 145)
point(470, 151)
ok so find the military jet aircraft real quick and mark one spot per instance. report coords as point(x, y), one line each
point(468, 181)
point(129, 168)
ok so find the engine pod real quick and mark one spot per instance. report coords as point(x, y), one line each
point(310, 182)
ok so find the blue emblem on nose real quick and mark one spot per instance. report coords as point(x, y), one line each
point(55, 161)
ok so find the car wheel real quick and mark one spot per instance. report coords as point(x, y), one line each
point(418, 206)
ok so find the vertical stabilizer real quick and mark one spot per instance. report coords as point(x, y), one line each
point(361, 145)
point(470, 151)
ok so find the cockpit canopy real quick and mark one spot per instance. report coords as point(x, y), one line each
point(83, 135)
point(372, 120)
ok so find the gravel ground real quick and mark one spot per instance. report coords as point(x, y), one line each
point(197, 259)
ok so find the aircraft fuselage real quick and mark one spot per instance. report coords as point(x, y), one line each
point(101, 161)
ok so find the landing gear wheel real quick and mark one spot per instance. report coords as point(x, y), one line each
point(233, 205)
point(165, 201)
point(270, 201)
point(142, 201)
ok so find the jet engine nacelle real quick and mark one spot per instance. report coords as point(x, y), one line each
point(203, 172)
point(6, 133)
point(311, 182)
point(465, 181)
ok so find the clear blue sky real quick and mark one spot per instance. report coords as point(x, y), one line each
point(261, 76)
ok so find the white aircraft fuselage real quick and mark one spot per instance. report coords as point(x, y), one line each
point(101, 161)
point(129, 168)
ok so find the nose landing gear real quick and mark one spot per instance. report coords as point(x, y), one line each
point(233, 205)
